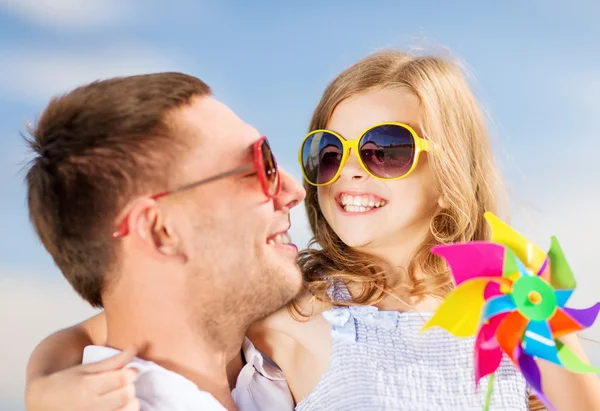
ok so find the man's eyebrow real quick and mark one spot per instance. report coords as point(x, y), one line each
point(246, 157)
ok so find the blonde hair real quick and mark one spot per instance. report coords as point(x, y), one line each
point(465, 172)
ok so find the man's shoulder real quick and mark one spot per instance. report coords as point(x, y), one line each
point(157, 388)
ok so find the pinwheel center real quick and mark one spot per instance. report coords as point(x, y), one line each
point(534, 298)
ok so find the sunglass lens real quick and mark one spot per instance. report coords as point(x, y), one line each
point(388, 151)
point(321, 157)
point(271, 172)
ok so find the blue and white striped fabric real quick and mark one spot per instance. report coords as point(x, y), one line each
point(381, 361)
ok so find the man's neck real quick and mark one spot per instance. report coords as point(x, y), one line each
point(163, 334)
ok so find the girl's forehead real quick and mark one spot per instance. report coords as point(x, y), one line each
point(355, 114)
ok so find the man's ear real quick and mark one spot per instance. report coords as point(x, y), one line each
point(151, 227)
point(164, 237)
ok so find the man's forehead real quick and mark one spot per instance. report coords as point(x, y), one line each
point(217, 125)
point(213, 128)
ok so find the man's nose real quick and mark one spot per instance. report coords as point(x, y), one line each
point(292, 193)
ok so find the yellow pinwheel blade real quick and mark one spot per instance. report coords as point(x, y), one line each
point(460, 312)
point(532, 256)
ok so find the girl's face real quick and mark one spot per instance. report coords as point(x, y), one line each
point(406, 206)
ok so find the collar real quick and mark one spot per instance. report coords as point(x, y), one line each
point(260, 362)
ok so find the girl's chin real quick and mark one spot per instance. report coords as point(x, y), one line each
point(355, 240)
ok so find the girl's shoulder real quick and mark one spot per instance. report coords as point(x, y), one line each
point(294, 319)
point(296, 340)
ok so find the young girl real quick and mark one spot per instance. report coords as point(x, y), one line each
point(397, 160)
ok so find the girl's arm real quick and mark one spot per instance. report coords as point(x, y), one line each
point(56, 379)
point(567, 390)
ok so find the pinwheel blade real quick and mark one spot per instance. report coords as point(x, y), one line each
point(584, 316)
point(532, 375)
point(498, 305)
point(531, 255)
point(538, 342)
point(460, 312)
point(511, 263)
point(488, 353)
point(562, 297)
point(522, 269)
point(492, 290)
point(472, 260)
point(561, 276)
point(510, 333)
point(572, 362)
point(544, 271)
point(562, 324)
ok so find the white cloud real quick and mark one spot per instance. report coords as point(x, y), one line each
point(575, 225)
point(32, 306)
point(38, 75)
point(70, 14)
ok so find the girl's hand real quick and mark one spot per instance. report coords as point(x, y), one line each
point(102, 386)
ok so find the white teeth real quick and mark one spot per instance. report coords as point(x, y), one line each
point(360, 203)
point(280, 239)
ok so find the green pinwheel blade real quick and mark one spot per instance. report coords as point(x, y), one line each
point(561, 276)
point(572, 362)
point(510, 263)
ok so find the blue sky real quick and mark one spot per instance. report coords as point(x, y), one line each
point(535, 67)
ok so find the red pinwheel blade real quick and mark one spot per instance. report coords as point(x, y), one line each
point(562, 324)
point(472, 260)
point(532, 375)
point(492, 290)
point(510, 333)
point(488, 353)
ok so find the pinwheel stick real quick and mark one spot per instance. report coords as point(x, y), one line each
point(488, 394)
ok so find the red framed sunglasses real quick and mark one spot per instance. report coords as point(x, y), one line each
point(263, 164)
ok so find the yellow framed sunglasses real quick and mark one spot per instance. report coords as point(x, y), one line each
point(386, 151)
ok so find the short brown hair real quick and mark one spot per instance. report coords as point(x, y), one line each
point(96, 148)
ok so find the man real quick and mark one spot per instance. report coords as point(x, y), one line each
point(161, 206)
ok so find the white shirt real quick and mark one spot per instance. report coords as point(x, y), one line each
point(260, 384)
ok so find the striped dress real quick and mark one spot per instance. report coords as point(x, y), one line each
point(381, 361)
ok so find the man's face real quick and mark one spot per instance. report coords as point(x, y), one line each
point(234, 237)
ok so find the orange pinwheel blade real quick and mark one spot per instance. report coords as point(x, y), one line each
point(562, 324)
point(510, 334)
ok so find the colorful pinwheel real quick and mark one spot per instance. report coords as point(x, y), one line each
point(512, 296)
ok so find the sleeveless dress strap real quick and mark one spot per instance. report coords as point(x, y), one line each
point(342, 323)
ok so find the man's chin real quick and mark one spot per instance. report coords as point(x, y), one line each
point(288, 285)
